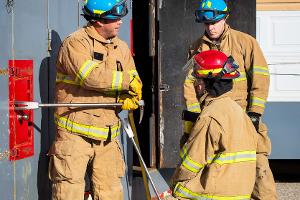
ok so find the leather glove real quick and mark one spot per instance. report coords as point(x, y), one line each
point(255, 118)
point(129, 102)
point(135, 87)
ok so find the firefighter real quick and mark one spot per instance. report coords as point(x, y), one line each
point(93, 66)
point(218, 161)
point(250, 90)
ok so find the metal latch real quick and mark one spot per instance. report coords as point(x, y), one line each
point(164, 87)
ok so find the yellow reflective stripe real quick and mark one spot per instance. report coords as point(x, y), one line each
point(261, 70)
point(242, 77)
point(213, 71)
point(96, 132)
point(65, 79)
point(181, 191)
point(194, 107)
point(116, 84)
point(99, 12)
point(209, 4)
point(202, 71)
point(188, 163)
point(255, 101)
point(236, 157)
point(221, 159)
point(85, 70)
point(190, 79)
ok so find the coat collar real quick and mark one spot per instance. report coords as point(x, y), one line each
point(209, 99)
point(91, 31)
point(222, 37)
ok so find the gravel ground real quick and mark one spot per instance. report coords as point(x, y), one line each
point(288, 191)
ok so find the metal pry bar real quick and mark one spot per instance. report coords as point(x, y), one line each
point(31, 105)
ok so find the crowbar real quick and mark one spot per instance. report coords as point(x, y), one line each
point(31, 105)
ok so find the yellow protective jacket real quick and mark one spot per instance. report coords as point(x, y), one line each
point(250, 90)
point(219, 159)
point(91, 69)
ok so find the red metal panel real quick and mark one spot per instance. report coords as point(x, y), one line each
point(20, 122)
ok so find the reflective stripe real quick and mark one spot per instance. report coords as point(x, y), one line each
point(213, 71)
point(209, 4)
point(182, 191)
point(99, 12)
point(190, 79)
point(96, 132)
point(221, 159)
point(194, 107)
point(65, 79)
point(85, 70)
point(242, 77)
point(255, 101)
point(205, 72)
point(228, 158)
point(261, 70)
point(188, 163)
point(117, 81)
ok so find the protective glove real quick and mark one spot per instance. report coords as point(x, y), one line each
point(129, 102)
point(255, 118)
point(135, 87)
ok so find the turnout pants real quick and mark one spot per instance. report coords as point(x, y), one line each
point(264, 188)
point(72, 154)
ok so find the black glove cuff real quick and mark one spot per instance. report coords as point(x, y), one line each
point(254, 114)
point(189, 116)
point(255, 118)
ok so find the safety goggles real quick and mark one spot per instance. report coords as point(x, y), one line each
point(119, 10)
point(208, 15)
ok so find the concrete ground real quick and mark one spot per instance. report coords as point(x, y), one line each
point(288, 191)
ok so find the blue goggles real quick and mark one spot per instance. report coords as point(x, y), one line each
point(209, 15)
point(119, 10)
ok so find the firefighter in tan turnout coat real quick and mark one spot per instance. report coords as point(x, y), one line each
point(219, 158)
point(93, 66)
point(250, 90)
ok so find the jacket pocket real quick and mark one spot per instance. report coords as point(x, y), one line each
point(60, 161)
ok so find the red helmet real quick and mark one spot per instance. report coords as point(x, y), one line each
point(215, 64)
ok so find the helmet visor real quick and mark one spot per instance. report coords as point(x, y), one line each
point(230, 65)
point(209, 15)
point(229, 70)
point(119, 10)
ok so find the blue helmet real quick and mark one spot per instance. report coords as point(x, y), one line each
point(211, 11)
point(104, 9)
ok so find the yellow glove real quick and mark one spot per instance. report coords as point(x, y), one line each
point(129, 102)
point(135, 88)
